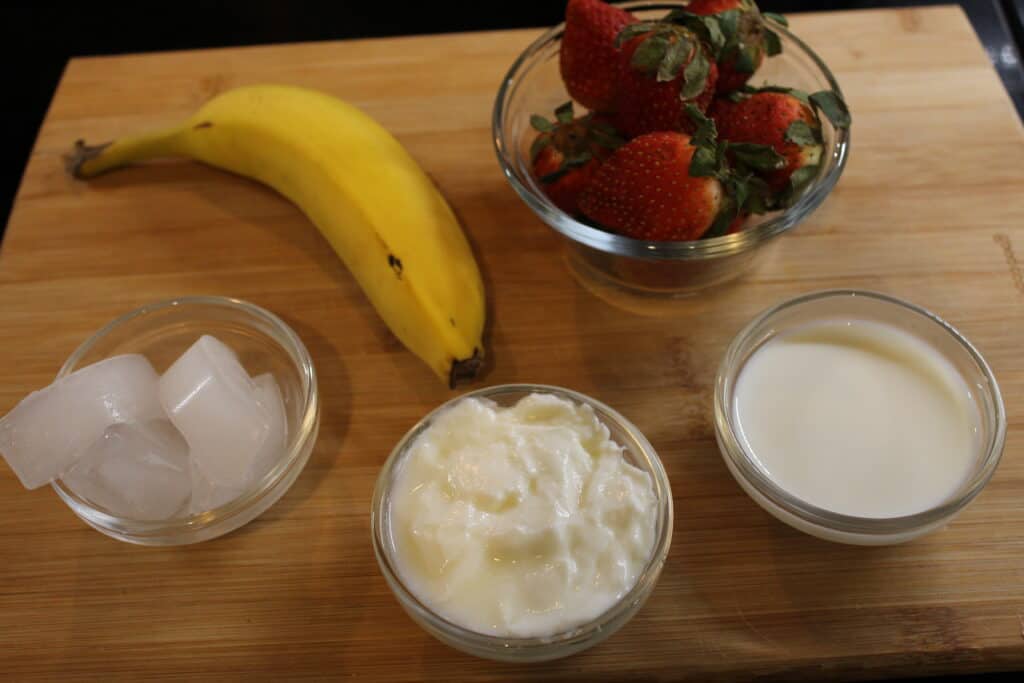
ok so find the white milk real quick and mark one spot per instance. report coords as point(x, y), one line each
point(521, 521)
point(858, 418)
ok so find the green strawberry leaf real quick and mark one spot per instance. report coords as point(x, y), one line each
point(799, 133)
point(759, 157)
point(736, 96)
point(799, 180)
point(832, 106)
point(729, 25)
point(726, 215)
point(541, 124)
point(746, 60)
point(554, 176)
point(606, 136)
point(568, 164)
point(538, 146)
point(650, 53)
point(707, 28)
point(722, 160)
point(581, 159)
point(675, 57)
point(740, 189)
point(633, 30)
point(776, 17)
point(772, 43)
point(695, 75)
point(704, 163)
point(799, 94)
point(564, 113)
point(759, 196)
point(715, 36)
point(706, 134)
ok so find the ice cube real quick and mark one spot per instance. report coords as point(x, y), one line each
point(206, 495)
point(269, 396)
point(138, 470)
point(42, 435)
point(212, 401)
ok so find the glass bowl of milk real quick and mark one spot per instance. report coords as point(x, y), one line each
point(857, 417)
point(522, 522)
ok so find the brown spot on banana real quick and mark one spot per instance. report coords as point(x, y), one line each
point(204, 124)
point(396, 265)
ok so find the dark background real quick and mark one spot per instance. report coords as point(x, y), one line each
point(38, 38)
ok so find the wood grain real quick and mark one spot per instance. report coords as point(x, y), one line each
point(930, 208)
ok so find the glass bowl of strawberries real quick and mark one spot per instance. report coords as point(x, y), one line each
point(669, 143)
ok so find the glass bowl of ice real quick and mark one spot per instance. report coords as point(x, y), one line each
point(207, 412)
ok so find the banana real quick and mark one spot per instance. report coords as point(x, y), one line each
point(377, 208)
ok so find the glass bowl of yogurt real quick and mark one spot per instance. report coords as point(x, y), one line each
point(522, 522)
point(857, 417)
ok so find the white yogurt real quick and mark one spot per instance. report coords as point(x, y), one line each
point(857, 417)
point(523, 521)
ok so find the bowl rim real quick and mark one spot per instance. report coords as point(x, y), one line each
point(736, 454)
point(192, 524)
point(713, 247)
point(571, 640)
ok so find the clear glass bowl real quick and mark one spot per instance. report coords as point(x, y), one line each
point(637, 451)
point(872, 307)
point(611, 263)
point(264, 343)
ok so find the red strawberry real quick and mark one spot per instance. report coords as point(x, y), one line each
point(568, 152)
point(645, 191)
point(589, 57)
point(737, 223)
point(745, 39)
point(563, 189)
point(779, 120)
point(662, 68)
point(706, 7)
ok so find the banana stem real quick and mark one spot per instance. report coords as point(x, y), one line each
point(87, 161)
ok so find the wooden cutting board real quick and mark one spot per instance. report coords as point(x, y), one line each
point(930, 208)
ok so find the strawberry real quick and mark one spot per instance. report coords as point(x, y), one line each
point(737, 223)
point(645, 191)
point(589, 57)
point(662, 68)
point(567, 153)
point(563, 189)
point(782, 120)
point(672, 186)
point(706, 7)
point(745, 39)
